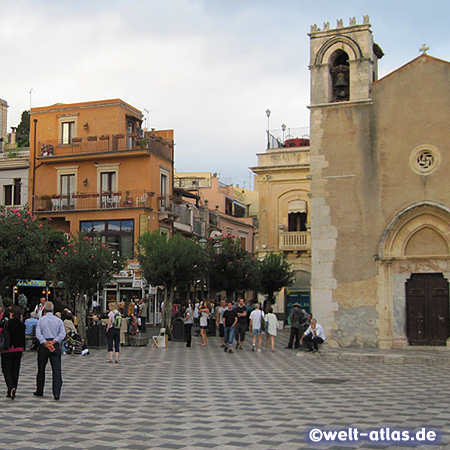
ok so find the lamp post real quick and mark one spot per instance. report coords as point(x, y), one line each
point(268, 127)
point(283, 127)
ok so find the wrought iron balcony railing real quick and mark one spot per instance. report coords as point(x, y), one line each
point(94, 201)
point(104, 144)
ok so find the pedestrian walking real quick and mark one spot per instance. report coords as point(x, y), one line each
point(229, 322)
point(204, 310)
point(188, 321)
point(12, 356)
point(219, 320)
point(272, 323)
point(50, 333)
point(241, 325)
point(113, 331)
point(256, 319)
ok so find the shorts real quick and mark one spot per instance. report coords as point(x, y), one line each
point(204, 327)
point(221, 330)
point(258, 331)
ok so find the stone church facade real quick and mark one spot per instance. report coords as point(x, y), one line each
point(380, 205)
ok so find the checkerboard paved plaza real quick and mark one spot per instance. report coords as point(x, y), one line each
point(200, 398)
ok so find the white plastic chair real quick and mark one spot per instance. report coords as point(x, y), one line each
point(56, 204)
point(142, 199)
point(115, 201)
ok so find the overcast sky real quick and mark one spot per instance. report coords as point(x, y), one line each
point(209, 69)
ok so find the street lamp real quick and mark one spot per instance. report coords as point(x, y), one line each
point(283, 127)
point(268, 127)
point(218, 248)
point(203, 243)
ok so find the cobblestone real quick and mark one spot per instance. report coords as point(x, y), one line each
point(201, 398)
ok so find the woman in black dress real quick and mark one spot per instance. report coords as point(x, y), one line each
point(11, 357)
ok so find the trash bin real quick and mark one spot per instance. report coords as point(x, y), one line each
point(178, 329)
point(96, 336)
point(211, 327)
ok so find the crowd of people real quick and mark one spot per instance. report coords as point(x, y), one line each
point(234, 320)
point(55, 334)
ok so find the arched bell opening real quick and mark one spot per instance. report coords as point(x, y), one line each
point(340, 76)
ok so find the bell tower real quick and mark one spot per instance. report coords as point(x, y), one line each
point(343, 62)
point(343, 66)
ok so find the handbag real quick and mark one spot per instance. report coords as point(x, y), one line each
point(263, 324)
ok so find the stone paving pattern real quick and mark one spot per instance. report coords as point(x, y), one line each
point(201, 398)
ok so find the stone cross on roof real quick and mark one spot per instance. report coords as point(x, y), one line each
point(424, 49)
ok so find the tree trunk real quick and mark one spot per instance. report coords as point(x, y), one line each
point(168, 305)
point(81, 308)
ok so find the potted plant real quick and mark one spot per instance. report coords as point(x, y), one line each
point(127, 200)
point(104, 138)
point(92, 138)
point(76, 140)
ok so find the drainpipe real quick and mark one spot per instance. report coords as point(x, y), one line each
point(34, 166)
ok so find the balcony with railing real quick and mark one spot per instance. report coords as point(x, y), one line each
point(93, 201)
point(106, 144)
point(294, 240)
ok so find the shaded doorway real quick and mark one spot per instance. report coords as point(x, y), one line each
point(427, 309)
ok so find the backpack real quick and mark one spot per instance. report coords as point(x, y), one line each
point(4, 337)
point(117, 322)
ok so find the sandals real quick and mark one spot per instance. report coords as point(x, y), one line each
point(13, 393)
point(109, 360)
point(117, 361)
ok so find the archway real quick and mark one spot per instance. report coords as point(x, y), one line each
point(415, 244)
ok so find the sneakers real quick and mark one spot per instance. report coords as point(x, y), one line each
point(259, 350)
point(225, 349)
point(230, 351)
point(253, 347)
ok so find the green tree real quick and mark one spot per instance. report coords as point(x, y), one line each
point(84, 265)
point(233, 270)
point(274, 273)
point(176, 262)
point(26, 247)
point(23, 130)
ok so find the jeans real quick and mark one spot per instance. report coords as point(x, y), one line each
point(229, 336)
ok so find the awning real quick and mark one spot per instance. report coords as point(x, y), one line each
point(297, 206)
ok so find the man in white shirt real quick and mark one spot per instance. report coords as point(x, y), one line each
point(39, 310)
point(256, 318)
point(313, 336)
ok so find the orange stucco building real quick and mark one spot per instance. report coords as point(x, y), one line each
point(93, 169)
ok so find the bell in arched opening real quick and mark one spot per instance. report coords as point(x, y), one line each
point(340, 75)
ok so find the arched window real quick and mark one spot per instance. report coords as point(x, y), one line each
point(340, 76)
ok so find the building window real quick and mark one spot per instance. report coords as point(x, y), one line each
point(67, 132)
point(297, 222)
point(108, 182)
point(164, 189)
point(12, 193)
point(118, 235)
point(67, 190)
point(8, 189)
